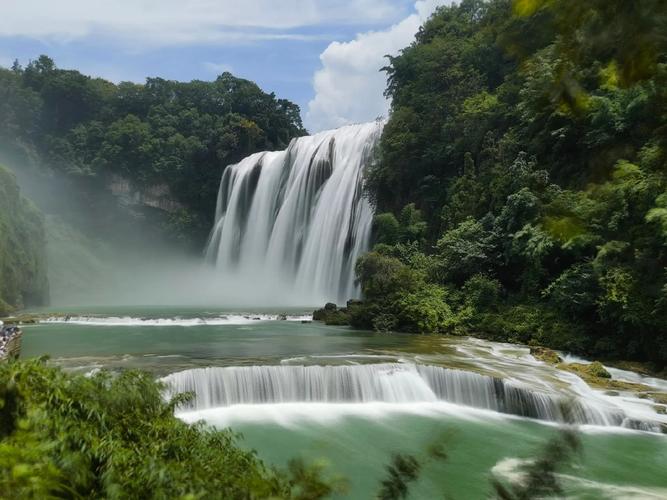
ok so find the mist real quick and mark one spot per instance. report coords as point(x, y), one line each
point(103, 254)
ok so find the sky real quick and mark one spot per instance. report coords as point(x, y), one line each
point(325, 55)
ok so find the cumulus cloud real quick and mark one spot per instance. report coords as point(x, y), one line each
point(349, 86)
point(168, 22)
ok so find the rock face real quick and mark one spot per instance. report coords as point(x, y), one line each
point(23, 262)
point(155, 196)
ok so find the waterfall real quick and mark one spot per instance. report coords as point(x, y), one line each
point(388, 382)
point(290, 225)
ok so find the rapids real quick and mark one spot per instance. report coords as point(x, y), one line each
point(395, 383)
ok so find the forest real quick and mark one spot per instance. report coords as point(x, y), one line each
point(521, 179)
point(81, 132)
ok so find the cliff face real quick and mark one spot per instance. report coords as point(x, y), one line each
point(23, 261)
point(155, 196)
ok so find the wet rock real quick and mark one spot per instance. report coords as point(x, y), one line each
point(546, 355)
point(658, 397)
point(594, 369)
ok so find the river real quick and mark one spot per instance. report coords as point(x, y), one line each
point(350, 399)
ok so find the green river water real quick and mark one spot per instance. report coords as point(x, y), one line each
point(356, 440)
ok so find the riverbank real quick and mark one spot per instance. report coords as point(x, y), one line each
point(333, 315)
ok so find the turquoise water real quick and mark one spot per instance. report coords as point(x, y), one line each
point(356, 441)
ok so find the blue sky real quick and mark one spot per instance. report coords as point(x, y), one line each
point(322, 54)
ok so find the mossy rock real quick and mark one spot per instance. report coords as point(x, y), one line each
point(661, 410)
point(658, 397)
point(588, 372)
point(546, 355)
point(596, 369)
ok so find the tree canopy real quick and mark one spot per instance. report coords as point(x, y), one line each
point(530, 136)
point(162, 132)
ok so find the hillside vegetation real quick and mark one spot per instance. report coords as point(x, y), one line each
point(23, 267)
point(81, 133)
point(521, 184)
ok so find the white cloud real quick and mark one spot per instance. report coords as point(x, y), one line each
point(218, 68)
point(168, 22)
point(349, 87)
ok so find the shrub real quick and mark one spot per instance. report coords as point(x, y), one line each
point(113, 436)
point(482, 292)
point(424, 310)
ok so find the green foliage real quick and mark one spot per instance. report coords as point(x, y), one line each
point(332, 315)
point(23, 278)
point(533, 145)
point(403, 470)
point(384, 277)
point(424, 310)
point(181, 135)
point(387, 229)
point(464, 251)
point(113, 436)
point(482, 292)
point(539, 478)
point(407, 228)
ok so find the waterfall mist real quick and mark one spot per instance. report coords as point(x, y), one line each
point(289, 226)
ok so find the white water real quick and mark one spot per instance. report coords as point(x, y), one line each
point(231, 319)
point(290, 225)
point(386, 383)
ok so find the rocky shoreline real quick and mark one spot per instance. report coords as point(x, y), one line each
point(10, 343)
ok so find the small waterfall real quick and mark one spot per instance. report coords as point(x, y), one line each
point(290, 225)
point(388, 382)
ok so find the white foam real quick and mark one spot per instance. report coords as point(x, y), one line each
point(512, 470)
point(293, 414)
point(231, 319)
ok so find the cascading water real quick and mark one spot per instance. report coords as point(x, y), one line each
point(387, 383)
point(290, 225)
